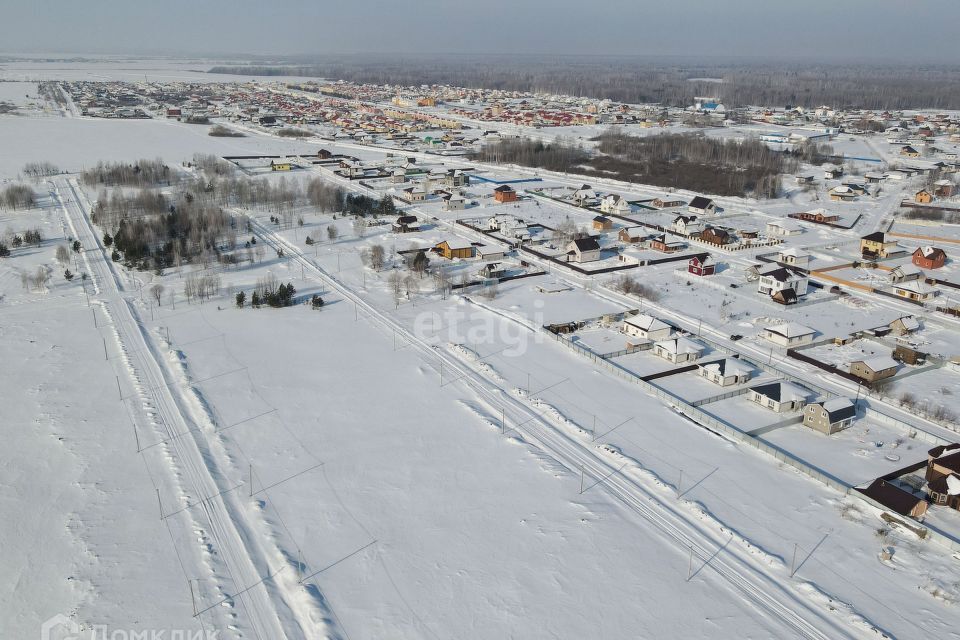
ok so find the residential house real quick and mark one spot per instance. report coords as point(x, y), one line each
point(943, 189)
point(687, 225)
point(702, 206)
point(895, 498)
point(679, 350)
point(908, 355)
point(456, 178)
point(583, 250)
point(632, 235)
point(719, 237)
point(904, 326)
point(504, 193)
point(874, 245)
point(782, 228)
point(399, 176)
point(663, 245)
point(646, 327)
point(667, 203)
point(842, 194)
point(616, 205)
point(929, 257)
point(805, 179)
point(830, 416)
point(923, 197)
point(455, 248)
point(820, 216)
point(413, 194)
point(406, 224)
point(493, 270)
point(875, 368)
point(488, 252)
point(832, 173)
point(701, 265)
point(454, 202)
point(584, 196)
point(916, 290)
point(794, 257)
point(908, 151)
point(602, 223)
point(943, 475)
point(725, 372)
point(783, 284)
point(788, 334)
point(280, 165)
point(904, 273)
point(781, 397)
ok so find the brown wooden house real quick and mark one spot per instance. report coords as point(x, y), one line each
point(504, 193)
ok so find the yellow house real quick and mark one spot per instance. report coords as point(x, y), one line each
point(280, 165)
point(451, 249)
point(909, 152)
point(923, 197)
point(876, 245)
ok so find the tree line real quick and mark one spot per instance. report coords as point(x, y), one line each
point(640, 80)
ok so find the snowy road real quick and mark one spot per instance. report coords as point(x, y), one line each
point(769, 589)
point(195, 470)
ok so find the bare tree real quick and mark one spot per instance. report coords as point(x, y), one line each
point(63, 255)
point(377, 257)
point(157, 291)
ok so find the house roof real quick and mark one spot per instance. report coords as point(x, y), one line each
point(782, 274)
point(781, 391)
point(876, 236)
point(909, 323)
point(790, 330)
point(930, 252)
point(586, 244)
point(878, 363)
point(727, 366)
point(839, 409)
point(891, 496)
point(703, 259)
point(700, 202)
point(456, 243)
point(504, 188)
point(646, 322)
point(681, 345)
point(916, 286)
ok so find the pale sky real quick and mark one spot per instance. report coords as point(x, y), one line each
point(910, 31)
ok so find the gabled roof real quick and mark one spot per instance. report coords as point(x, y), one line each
point(782, 274)
point(790, 330)
point(930, 253)
point(504, 188)
point(727, 366)
point(878, 363)
point(839, 409)
point(586, 244)
point(876, 236)
point(891, 496)
point(703, 259)
point(681, 345)
point(781, 391)
point(700, 202)
point(646, 322)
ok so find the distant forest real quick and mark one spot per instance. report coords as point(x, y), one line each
point(635, 80)
point(679, 161)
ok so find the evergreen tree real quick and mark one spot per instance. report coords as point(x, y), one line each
point(241, 298)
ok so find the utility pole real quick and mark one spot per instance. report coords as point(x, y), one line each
point(581, 479)
point(250, 468)
point(120, 393)
point(104, 340)
point(94, 312)
point(690, 565)
point(136, 436)
point(502, 422)
point(680, 483)
point(793, 563)
point(193, 598)
point(160, 504)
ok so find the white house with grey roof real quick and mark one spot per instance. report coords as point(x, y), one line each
point(725, 372)
point(830, 416)
point(781, 397)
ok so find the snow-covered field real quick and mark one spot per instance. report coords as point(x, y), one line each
point(419, 465)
